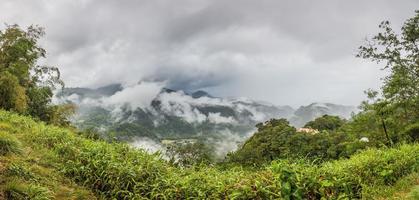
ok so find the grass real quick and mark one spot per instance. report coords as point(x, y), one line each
point(30, 173)
point(56, 163)
point(9, 144)
point(414, 193)
point(20, 190)
point(404, 188)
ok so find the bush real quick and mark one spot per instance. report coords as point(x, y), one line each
point(9, 144)
point(346, 178)
point(412, 132)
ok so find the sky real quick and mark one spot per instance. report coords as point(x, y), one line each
point(287, 52)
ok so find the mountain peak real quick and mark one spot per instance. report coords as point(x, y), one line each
point(167, 90)
point(199, 94)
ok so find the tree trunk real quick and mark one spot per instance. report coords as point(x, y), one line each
point(385, 129)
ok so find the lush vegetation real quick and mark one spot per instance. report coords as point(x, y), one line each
point(26, 87)
point(373, 155)
point(115, 170)
point(325, 123)
point(276, 139)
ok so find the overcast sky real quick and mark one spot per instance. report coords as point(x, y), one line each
point(285, 52)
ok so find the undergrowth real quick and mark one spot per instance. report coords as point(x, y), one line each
point(117, 171)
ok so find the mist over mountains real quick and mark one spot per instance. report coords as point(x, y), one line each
point(149, 110)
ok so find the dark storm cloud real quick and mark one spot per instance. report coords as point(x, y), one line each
point(286, 52)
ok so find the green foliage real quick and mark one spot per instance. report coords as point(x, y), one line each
point(12, 94)
point(414, 194)
point(21, 171)
point(126, 131)
point(190, 154)
point(347, 178)
point(265, 145)
point(399, 190)
point(26, 87)
point(325, 123)
point(412, 132)
point(22, 191)
point(117, 171)
point(276, 139)
point(90, 133)
point(9, 144)
point(397, 105)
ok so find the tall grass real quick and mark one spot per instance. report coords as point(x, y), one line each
point(117, 171)
point(9, 144)
point(20, 190)
point(414, 194)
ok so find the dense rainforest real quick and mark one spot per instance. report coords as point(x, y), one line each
point(373, 155)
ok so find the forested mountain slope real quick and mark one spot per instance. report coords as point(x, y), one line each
point(170, 114)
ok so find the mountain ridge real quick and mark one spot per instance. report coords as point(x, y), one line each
point(175, 113)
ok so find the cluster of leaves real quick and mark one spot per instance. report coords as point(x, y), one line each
point(26, 87)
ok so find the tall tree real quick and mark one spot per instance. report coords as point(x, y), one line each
point(398, 101)
point(25, 86)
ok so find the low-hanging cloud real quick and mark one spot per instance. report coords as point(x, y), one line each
point(137, 96)
point(230, 141)
point(148, 145)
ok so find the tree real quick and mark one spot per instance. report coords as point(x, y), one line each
point(12, 94)
point(267, 144)
point(276, 139)
point(325, 122)
point(400, 54)
point(190, 153)
point(25, 86)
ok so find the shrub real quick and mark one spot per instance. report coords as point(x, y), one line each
point(346, 178)
point(9, 144)
point(412, 132)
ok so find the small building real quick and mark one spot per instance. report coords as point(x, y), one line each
point(308, 130)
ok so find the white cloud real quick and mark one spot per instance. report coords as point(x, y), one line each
point(137, 96)
point(148, 145)
point(230, 141)
point(218, 119)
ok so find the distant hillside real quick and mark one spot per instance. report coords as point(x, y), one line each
point(92, 93)
point(307, 113)
point(169, 113)
point(155, 112)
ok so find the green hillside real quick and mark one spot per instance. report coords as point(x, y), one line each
point(40, 161)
